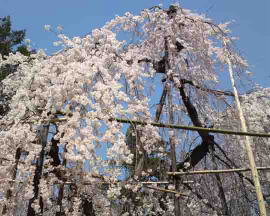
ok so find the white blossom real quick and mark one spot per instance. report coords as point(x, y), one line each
point(47, 27)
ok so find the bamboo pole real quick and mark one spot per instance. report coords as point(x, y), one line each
point(192, 128)
point(91, 183)
point(167, 191)
point(183, 127)
point(216, 171)
point(253, 168)
point(166, 182)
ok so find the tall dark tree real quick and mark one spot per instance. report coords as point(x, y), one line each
point(11, 41)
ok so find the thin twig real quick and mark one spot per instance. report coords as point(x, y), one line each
point(215, 92)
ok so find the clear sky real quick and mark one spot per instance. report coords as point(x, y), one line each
point(79, 17)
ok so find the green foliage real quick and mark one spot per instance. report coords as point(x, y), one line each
point(23, 50)
point(10, 42)
point(9, 39)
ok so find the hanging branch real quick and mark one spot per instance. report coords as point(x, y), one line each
point(233, 165)
point(221, 192)
point(215, 92)
point(240, 175)
point(199, 196)
point(207, 145)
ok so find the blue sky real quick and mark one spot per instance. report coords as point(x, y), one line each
point(81, 16)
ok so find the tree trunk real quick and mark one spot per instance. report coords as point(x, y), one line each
point(177, 210)
point(14, 173)
point(43, 134)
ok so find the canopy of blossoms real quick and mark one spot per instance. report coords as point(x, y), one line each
point(77, 92)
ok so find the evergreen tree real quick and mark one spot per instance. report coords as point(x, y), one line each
point(10, 42)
